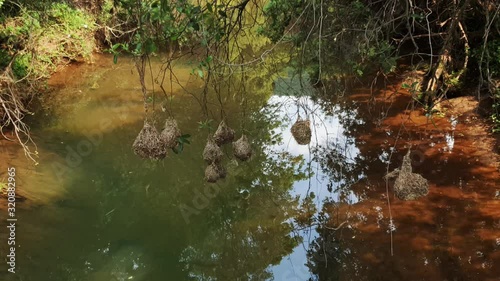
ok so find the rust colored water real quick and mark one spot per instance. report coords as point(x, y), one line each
point(450, 234)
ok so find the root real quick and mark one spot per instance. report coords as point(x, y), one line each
point(13, 111)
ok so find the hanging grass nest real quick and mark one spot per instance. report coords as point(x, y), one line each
point(301, 131)
point(214, 172)
point(408, 185)
point(212, 152)
point(148, 144)
point(224, 134)
point(242, 148)
point(170, 133)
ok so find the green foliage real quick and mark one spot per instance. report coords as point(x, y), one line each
point(72, 29)
point(4, 58)
point(159, 24)
point(21, 65)
point(492, 57)
point(279, 13)
point(18, 29)
point(106, 16)
point(341, 38)
point(42, 41)
point(205, 125)
point(181, 141)
point(493, 49)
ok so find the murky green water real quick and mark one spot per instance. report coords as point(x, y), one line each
point(97, 212)
point(113, 216)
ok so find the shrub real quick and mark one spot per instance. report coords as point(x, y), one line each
point(59, 35)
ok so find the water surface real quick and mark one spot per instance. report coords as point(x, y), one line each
point(95, 211)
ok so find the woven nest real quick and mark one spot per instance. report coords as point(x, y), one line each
point(408, 185)
point(214, 172)
point(212, 152)
point(301, 131)
point(242, 148)
point(170, 133)
point(224, 134)
point(148, 144)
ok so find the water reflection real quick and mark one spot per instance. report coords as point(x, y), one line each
point(293, 212)
point(432, 238)
point(331, 164)
point(123, 218)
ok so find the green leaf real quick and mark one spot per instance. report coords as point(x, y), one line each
point(150, 47)
point(196, 10)
point(115, 58)
point(200, 73)
point(138, 48)
point(205, 124)
point(222, 14)
point(195, 26)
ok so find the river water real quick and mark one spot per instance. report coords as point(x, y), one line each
point(95, 211)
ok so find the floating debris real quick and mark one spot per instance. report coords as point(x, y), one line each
point(301, 131)
point(212, 152)
point(408, 185)
point(170, 133)
point(242, 148)
point(224, 134)
point(148, 144)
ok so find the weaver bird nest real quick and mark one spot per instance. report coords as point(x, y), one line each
point(224, 134)
point(214, 172)
point(301, 131)
point(148, 144)
point(212, 152)
point(170, 133)
point(408, 185)
point(242, 149)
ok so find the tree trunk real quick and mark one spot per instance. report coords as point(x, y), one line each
point(434, 81)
